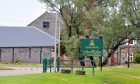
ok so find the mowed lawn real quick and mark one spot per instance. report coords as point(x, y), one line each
point(107, 76)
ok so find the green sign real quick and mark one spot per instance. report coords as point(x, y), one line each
point(91, 47)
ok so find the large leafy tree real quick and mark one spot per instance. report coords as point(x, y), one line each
point(72, 12)
point(113, 20)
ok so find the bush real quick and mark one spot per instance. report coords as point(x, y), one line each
point(137, 59)
point(17, 62)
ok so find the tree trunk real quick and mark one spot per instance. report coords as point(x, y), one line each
point(113, 60)
point(113, 49)
point(106, 59)
point(69, 32)
point(110, 54)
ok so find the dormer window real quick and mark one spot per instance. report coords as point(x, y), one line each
point(46, 24)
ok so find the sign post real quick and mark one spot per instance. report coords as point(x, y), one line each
point(92, 47)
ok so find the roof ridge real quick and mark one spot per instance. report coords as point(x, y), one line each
point(45, 33)
point(37, 18)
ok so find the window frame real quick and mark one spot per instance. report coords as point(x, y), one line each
point(133, 42)
point(46, 25)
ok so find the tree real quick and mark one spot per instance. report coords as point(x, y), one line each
point(72, 12)
point(113, 20)
point(137, 58)
point(115, 23)
point(71, 45)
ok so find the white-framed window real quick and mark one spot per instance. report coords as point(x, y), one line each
point(130, 57)
point(46, 24)
point(131, 42)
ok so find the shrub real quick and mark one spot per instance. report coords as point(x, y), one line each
point(137, 59)
point(17, 62)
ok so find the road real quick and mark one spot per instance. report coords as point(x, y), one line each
point(20, 71)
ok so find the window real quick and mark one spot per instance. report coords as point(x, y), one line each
point(130, 57)
point(46, 24)
point(131, 42)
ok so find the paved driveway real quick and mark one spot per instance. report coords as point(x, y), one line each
point(20, 71)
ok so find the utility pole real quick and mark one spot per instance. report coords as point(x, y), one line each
point(128, 52)
point(59, 39)
point(58, 58)
point(55, 54)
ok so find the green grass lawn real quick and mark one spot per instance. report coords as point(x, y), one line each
point(107, 76)
point(20, 64)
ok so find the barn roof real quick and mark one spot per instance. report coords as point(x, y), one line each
point(25, 37)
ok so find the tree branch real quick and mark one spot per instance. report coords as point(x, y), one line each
point(127, 41)
point(135, 12)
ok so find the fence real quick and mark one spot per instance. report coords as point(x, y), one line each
point(48, 63)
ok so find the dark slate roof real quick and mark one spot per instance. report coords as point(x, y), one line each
point(25, 37)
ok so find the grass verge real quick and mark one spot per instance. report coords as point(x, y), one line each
point(107, 76)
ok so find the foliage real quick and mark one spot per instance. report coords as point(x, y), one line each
point(113, 20)
point(70, 15)
point(17, 61)
point(113, 24)
point(137, 59)
point(71, 45)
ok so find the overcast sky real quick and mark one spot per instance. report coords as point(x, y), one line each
point(19, 12)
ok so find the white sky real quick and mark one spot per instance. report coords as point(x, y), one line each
point(20, 12)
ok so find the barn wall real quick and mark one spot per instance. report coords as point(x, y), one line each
point(6, 54)
point(24, 55)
